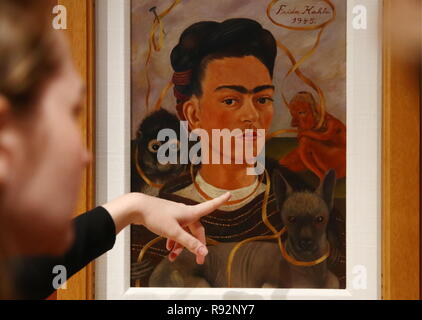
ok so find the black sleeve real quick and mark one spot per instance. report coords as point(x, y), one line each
point(95, 234)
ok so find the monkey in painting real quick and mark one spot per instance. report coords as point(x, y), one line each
point(319, 149)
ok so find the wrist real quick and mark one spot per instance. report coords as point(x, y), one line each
point(133, 202)
point(125, 210)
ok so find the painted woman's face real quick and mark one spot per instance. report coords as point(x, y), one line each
point(237, 94)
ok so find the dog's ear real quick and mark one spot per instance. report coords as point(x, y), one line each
point(282, 189)
point(326, 188)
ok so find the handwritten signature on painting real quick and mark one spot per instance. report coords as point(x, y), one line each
point(306, 15)
point(285, 9)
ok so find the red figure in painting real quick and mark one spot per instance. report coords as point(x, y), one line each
point(319, 149)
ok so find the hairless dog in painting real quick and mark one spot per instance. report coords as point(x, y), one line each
point(260, 264)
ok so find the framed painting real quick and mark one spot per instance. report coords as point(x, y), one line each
point(228, 71)
point(327, 62)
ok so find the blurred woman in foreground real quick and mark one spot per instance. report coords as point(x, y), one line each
point(42, 158)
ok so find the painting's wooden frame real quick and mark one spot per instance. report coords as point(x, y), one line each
point(401, 238)
point(401, 232)
point(81, 33)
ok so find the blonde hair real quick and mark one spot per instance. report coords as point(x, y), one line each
point(27, 52)
point(27, 60)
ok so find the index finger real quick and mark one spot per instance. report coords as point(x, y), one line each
point(207, 207)
point(191, 243)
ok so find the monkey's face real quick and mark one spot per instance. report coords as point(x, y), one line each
point(302, 115)
point(150, 155)
point(159, 159)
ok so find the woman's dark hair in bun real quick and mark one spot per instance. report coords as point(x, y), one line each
point(206, 41)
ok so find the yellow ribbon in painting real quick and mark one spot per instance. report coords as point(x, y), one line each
point(214, 242)
point(142, 253)
point(279, 132)
point(264, 218)
point(239, 245)
point(265, 202)
point(309, 82)
point(157, 25)
point(298, 263)
point(296, 64)
point(147, 246)
point(276, 235)
point(163, 94)
point(321, 111)
point(283, 250)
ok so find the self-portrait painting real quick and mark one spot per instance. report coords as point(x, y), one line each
point(247, 97)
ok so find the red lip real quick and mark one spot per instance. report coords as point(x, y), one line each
point(250, 135)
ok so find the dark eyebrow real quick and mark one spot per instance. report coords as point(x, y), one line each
point(242, 89)
point(262, 88)
point(235, 88)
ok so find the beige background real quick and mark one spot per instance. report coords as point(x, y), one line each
point(327, 67)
